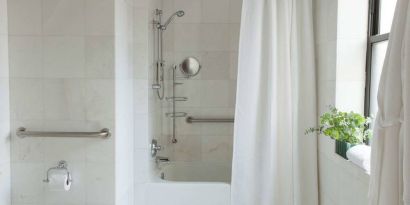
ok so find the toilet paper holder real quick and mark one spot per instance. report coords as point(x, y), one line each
point(62, 165)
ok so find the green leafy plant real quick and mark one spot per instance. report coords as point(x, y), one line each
point(347, 127)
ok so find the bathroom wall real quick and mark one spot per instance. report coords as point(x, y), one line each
point(124, 102)
point(62, 69)
point(5, 174)
point(341, 28)
point(147, 111)
point(209, 31)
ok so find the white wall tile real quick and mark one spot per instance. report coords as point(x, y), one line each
point(100, 99)
point(100, 151)
point(99, 17)
point(351, 59)
point(209, 31)
point(141, 128)
point(142, 163)
point(28, 150)
point(100, 183)
point(350, 96)
point(3, 18)
point(63, 17)
point(215, 65)
point(352, 20)
point(5, 187)
point(214, 93)
point(99, 57)
point(141, 96)
point(4, 56)
point(65, 99)
point(25, 17)
point(341, 83)
point(234, 36)
point(235, 11)
point(26, 56)
point(188, 148)
point(71, 150)
point(192, 8)
point(63, 57)
point(215, 11)
point(54, 46)
point(215, 37)
point(5, 99)
point(188, 37)
point(28, 187)
point(217, 149)
point(27, 99)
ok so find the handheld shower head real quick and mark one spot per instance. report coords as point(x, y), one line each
point(179, 13)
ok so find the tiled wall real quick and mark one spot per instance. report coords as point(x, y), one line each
point(209, 31)
point(62, 62)
point(340, 28)
point(147, 111)
point(5, 174)
point(124, 102)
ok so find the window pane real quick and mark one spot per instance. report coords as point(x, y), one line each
point(378, 55)
point(386, 15)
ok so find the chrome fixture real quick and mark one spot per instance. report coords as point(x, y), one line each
point(160, 159)
point(22, 132)
point(155, 147)
point(190, 67)
point(160, 64)
point(62, 165)
point(164, 26)
point(209, 120)
point(174, 99)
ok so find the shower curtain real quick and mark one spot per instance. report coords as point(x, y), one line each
point(390, 166)
point(274, 163)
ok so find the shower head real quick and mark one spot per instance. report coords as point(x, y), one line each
point(179, 13)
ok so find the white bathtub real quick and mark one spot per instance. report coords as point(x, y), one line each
point(190, 184)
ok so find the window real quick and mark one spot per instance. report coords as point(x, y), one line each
point(381, 14)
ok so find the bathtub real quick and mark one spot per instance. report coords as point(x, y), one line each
point(181, 183)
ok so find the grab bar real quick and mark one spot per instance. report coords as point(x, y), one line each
point(209, 120)
point(22, 132)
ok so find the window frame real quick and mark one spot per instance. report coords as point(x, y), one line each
point(373, 37)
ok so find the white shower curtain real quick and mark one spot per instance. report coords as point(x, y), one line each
point(390, 169)
point(274, 163)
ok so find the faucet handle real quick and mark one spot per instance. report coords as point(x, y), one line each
point(155, 147)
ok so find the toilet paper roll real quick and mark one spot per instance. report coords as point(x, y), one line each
point(59, 180)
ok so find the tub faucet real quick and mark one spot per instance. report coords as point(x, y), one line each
point(159, 159)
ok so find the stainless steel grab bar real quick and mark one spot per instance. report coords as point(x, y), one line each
point(22, 132)
point(209, 120)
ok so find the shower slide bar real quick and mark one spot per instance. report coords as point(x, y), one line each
point(22, 132)
point(209, 120)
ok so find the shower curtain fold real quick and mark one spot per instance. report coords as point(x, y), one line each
point(274, 163)
point(390, 165)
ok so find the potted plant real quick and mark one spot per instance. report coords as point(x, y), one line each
point(347, 128)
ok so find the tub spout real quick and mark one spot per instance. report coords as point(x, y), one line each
point(160, 159)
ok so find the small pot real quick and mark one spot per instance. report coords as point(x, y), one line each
point(342, 147)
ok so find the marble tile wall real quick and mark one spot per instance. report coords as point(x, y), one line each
point(147, 109)
point(209, 31)
point(62, 77)
point(340, 56)
point(5, 172)
point(125, 102)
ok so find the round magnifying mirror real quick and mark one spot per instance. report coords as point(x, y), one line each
point(190, 67)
